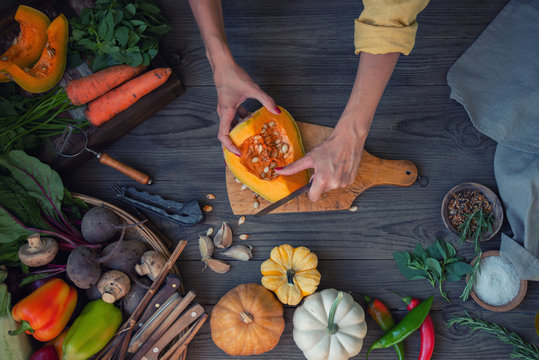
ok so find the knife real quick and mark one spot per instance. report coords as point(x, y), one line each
point(284, 200)
point(172, 285)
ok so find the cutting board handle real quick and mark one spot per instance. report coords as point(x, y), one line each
point(374, 171)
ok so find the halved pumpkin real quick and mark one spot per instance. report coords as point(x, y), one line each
point(27, 47)
point(267, 141)
point(50, 67)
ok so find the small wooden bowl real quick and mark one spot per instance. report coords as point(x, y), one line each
point(511, 304)
point(497, 208)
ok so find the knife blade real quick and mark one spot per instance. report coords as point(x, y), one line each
point(284, 200)
point(172, 285)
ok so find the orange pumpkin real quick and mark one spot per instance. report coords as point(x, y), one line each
point(50, 67)
point(267, 141)
point(29, 44)
point(247, 320)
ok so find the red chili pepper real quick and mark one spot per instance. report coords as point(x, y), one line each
point(46, 353)
point(381, 315)
point(426, 330)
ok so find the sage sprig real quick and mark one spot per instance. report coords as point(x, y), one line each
point(437, 263)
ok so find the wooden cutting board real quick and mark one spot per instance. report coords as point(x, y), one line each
point(372, 171)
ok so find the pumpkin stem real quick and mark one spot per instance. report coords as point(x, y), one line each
point(290, 277)
point(332, 327)
point(246, 317)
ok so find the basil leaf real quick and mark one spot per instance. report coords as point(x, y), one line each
point(122, 35)
point(458, 270)
point(161, 29)
point(420, 252)
point(152, 9)
point(433, 251)
point(131, 9)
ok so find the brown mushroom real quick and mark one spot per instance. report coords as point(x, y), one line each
point(39, 251)
point(151, 264)
point(113, 285)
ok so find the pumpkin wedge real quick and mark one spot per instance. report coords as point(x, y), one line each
point(27, 47)
point(50, 67)
point(267, 141)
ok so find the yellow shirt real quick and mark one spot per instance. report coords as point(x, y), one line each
point(387, 26)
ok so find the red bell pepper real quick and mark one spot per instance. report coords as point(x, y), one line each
point(426, 330)
point(58, 341)
point(46, 353)
point(45, 312)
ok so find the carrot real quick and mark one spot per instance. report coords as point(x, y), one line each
point(117, 100)
point(88, 88)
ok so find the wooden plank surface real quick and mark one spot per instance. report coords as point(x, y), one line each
point(301, 53)
point(372, 172)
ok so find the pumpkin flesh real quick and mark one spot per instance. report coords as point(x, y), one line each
point(291, 273)
point(49, 69)
point(27, 47)
point(247, 320)
point(267, 141)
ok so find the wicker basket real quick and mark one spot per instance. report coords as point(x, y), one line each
point(140, 232)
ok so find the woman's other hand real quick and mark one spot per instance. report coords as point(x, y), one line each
point(234, 86)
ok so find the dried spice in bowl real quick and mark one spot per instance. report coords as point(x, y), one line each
point(462, 207)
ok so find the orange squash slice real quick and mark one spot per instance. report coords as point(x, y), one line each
point(50, 67)
point(267, 141)
point(27, 47)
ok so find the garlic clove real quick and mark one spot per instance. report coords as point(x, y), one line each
point(239, 252)
point(205, 245)
point(223, 238)
point(218, 266)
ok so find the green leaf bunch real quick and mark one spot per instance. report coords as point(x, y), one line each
point(437, 263)
point(117, 32)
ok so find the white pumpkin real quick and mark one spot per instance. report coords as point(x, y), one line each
point(329, 325)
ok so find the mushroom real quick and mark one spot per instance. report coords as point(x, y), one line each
point(113, 285)
point(39, 251)
point(151, 264)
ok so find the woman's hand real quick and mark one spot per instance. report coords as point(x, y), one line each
point(234, 86)
point(335, 161)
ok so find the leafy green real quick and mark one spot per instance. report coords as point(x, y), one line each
point(437, 263)
point(117, 32)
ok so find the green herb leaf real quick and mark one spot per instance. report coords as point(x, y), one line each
point(131, 9)
point(458, 270)
point(122, 35)
point(434, 267)
point(152, 9)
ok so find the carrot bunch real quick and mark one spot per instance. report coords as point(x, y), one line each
point(109, 92)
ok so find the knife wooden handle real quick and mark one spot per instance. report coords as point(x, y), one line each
point(180, 347)
point(183, 322)
point(172, 285)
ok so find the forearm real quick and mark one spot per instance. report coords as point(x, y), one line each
point(372, 76)
point(209, 17)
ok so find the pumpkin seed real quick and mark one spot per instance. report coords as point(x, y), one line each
point(241, 220)
point(223, 238)
point(210, 196)
point(244, 236)
point(209, 232)
point(239, 252)
point(243, 187)
point(259, 149)
point(265, 126)
point(207, 208)
point(256, 204)
point(353, 208)
point(205, 246)
point(266, 169)
point(255, 159)
point(276, 133)
point(237, 180)
point(273, 165)
point(26, 69)
point(262, 175)
point(4, 58)
point(271, 124)
point(284, 149)
point(277, 141)
point(218, 266)
point(257, 137)
point(15, 41)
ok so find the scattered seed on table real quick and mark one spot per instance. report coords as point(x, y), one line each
point(207, 208)
point(243, 187)
point(241, 220)
point(256, 204)
point(353, 208)
point(210, 196)
point(209, 232)
point(244, 236)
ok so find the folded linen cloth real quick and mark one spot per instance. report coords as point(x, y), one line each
point(497, 81)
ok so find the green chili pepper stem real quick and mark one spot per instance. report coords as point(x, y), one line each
point(332, 327)
point(407, 299)
point(25, 326)
point(411, 322)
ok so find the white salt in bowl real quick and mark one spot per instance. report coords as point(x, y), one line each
point(511, 304)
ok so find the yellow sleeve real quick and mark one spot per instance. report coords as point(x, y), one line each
point(387, 26)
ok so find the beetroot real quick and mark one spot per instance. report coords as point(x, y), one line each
point(99, 225)
point(83, 268)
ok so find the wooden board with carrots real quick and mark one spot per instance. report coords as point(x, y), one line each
point(121, 121)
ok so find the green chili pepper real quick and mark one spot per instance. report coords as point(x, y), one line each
point(411, 322)
point(381, 315)
point(92, 330)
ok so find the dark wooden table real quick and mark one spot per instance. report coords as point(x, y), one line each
point(301, 52)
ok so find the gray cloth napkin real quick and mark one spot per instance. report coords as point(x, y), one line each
point(497, 81)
